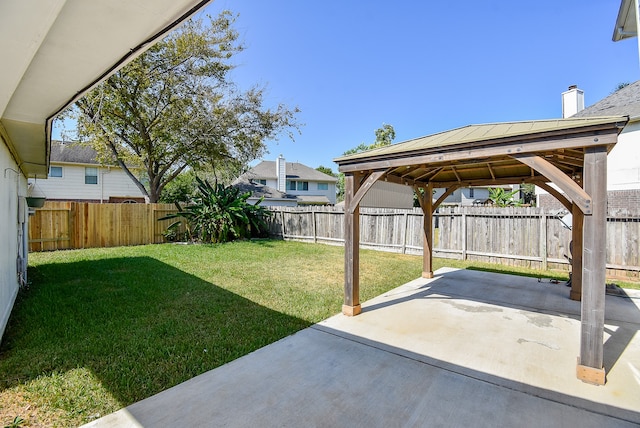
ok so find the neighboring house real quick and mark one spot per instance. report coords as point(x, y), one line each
point(52, 53)
point(272, 197)
point(76, 175)
point(282, 183)
point(623, 163)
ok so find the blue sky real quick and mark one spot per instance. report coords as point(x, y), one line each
point(422, 66)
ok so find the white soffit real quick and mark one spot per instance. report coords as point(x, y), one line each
point(626, 23)
point(54, 50)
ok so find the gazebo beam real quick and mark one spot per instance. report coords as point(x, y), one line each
point(553, 173)
point(369, 181)
point(559, 196)
point(444, 196)
point(440, 157)
point(590, 362)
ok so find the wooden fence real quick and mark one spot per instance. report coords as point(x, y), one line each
point(526, 237)
point(68, 225)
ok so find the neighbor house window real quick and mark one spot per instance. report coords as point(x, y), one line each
point(323, 186)
point(471, 192)
point(90, 175)
point(300, 185)
point(297, 185)
point(55, 171)
point(261, 181)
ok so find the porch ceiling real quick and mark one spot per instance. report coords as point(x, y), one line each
point(485, 155)
point(53, 51)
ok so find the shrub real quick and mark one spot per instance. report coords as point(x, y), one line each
point(220, 213)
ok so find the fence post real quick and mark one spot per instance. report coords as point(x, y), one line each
point(283, 228)
point(543, 240)
point(313, 219)
point(464, 235)
point(404, 237)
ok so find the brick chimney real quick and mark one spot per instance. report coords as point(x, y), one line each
point(281, 174)
point(572, 101)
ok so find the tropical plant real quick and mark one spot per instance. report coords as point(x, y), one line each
point(220, 213)
point(502, 198)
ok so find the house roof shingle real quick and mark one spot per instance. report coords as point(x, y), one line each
point(267, 170)
point(260, 190)
point(73, 153)
point(623, 102)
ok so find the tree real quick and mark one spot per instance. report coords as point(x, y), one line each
point(384, 137)
point(620, 86)
point(175, 107)
point(326, 170)
point(180, 189)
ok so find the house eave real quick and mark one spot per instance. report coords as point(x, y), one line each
point(626, 22)
point(59, 49)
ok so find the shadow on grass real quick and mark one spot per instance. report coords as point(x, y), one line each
point(139, 325)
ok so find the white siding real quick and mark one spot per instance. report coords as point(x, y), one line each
point(330, 193)
point(12, 232)
point(388, 195)
point(623, 163)
point(463, 196)
point(112, 181)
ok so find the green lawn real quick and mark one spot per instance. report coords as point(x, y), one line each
point(99, 329)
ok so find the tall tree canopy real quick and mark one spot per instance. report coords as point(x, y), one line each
point(384, 137)
point(175, 106)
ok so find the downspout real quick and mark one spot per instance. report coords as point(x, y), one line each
point(102, 173)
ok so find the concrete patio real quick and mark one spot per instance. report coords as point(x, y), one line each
point(466, 348)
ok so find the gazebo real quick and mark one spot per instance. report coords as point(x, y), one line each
point(568, 153)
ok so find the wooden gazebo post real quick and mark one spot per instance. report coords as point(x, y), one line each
point(576, 253)
point(351, 306)
point(426, 203)
point(590, 366)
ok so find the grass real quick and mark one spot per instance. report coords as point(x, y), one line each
point(100, 329)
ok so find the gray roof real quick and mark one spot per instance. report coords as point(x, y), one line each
point(624, 102)
point(260, 190)
point(73, 153)
point(313, 200)
point(295, 171)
